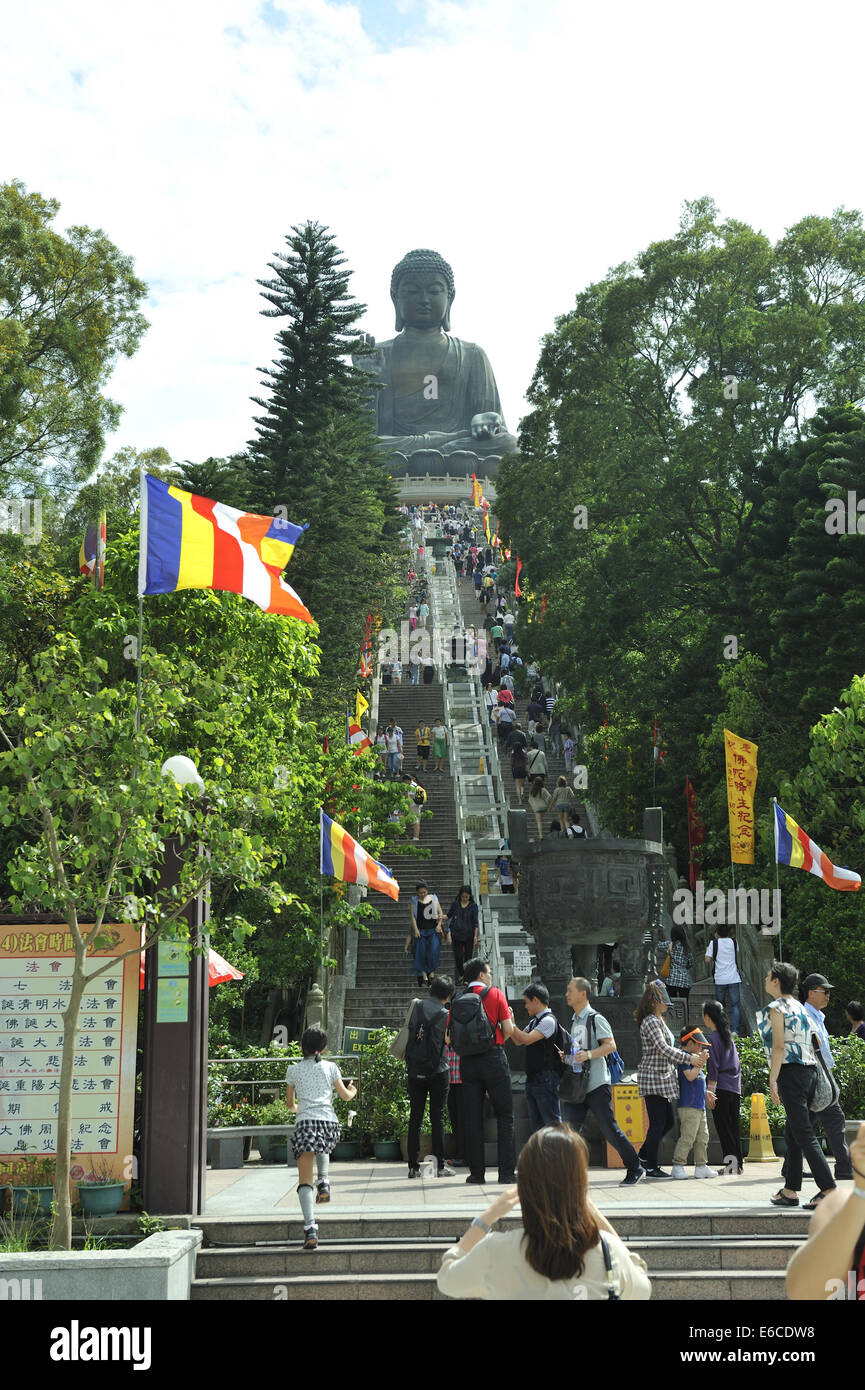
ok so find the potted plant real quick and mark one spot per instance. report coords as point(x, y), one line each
point(382, 1103)
point(101, 1191)
point(273, 1148)
point(31, 1179)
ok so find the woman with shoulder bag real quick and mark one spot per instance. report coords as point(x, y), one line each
point(678, 978)
point(539, 801)
point(657, 1078)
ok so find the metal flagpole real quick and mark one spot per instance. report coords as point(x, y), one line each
point(777, 876)
point(138, 653)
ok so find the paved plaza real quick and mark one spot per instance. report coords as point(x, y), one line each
point(367, 1188)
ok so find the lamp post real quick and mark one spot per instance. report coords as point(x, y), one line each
point(174, 1073)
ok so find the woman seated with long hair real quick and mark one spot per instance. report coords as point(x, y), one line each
point(565, 1248)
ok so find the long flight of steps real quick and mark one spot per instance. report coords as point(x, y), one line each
point(691, 1255)
point(385, 976)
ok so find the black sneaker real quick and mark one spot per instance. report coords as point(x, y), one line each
point(323, 1191)
point(414, 1172)
point(657, 1173)
point(479, 1182)
point(632, 1178)
point(310, 1239)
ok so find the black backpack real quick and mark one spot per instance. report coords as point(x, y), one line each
point(426, 1038)
point(470, 1029)
point(714, 954)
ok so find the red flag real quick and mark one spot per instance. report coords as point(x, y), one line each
point(696, 833)
point(517, 590)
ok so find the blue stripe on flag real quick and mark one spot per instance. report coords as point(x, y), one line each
point(280, 530)
point(784, 838)
point(326, 859)
point(164, 538)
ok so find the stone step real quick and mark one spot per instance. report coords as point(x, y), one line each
point(666, 1253)
point(680, 1224)
point(667, 1286)
point(339, 1288)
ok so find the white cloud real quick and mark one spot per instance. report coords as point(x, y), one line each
point(534, 146)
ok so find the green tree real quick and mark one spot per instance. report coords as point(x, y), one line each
point(68, 309)
point(661, 405)
point(73, 769)
point(315, 453)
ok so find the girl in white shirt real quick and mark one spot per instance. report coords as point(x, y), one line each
point(564, 1245)
point(308, 1087)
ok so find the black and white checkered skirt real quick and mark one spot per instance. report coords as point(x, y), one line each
point(314, 1137)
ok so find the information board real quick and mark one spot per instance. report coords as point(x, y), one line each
point(35, 983)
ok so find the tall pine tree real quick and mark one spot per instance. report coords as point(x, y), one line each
point(315, 453)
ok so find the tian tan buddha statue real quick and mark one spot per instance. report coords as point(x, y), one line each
point(439, 396)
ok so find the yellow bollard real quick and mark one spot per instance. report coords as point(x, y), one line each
point(484, 878)
point(481, 768)
point(760, 1150)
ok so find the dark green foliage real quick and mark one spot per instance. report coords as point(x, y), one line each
point(706, 521)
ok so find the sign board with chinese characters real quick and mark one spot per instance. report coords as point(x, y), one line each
point(631, 1117)
point(355, 1040)
point(522, 963)
point(35, 982)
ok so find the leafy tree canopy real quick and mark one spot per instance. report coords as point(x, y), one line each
point(68, 309)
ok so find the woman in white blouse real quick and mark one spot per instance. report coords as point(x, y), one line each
point(565, 1248)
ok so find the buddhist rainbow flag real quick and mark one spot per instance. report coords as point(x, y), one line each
point(191, 542)
point(344, 859)
point(793, 847)
point(91, 557)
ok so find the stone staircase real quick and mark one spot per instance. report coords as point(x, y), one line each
point(691, 1255)
point(385, 976)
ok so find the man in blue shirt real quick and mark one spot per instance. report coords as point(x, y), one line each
point(815, 997)
point(592, 1043)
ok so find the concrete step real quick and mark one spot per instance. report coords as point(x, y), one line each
point(335, 1257)
point(339, 1288)
point(755, 1286)
point(636, 1224)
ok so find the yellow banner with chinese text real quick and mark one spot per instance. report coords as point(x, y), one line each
point(741, 758)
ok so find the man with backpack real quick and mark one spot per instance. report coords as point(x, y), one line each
point(480, 1021)
point(723, 958)
point(588, 1086)
point(544, 1066)
point(427, 1074)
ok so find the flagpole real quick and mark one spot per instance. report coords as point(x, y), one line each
point(138, 651)
point(777, 876)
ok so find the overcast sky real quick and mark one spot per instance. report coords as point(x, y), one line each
point(533, 144)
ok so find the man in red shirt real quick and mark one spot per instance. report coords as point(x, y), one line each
point(488, 1072)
